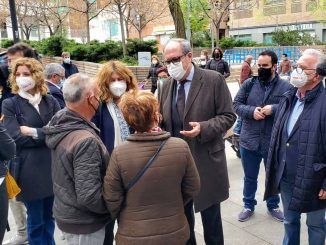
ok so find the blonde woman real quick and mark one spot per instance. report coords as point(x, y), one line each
point(114, 79)
point(24, 116)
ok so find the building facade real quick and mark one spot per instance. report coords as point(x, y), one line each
point(257, 24)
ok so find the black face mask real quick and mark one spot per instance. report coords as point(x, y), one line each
point(264, 74)
point(216, 55)
point(95, 109)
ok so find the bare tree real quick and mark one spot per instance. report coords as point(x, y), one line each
point(26, 18)
point(177, 15)
point(51, 15)
point(218, 10)
point(90, 9)
point(143, 12)
point(120, 7)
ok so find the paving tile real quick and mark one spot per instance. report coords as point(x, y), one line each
point(261, 229)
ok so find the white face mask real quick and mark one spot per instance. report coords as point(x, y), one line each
point(118, 88)
point(25, 83)
point(176, 71)
point(298, 80)
point(154, 62)
point(203, 57)
point(66, 60)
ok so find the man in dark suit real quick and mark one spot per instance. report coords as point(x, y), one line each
point(70, 68)
point(196, 105)
point(19, 50)
point(55, 74)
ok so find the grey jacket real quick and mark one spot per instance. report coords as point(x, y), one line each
point(79, 163)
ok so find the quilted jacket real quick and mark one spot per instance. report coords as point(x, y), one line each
point(153, 211)
point(255, 134)
point(79, 162)
point(311, 166)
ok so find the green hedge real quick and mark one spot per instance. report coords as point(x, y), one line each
point(229, 43)
point(93, 51)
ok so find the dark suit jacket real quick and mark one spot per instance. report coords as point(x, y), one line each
point(70, 69)
point(35, 176)
point(6, 90)
point(209, 102)
point(57, 94)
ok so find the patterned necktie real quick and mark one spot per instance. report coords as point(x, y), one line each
point(181, 101)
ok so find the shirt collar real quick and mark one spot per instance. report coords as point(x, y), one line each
point(311, 93)
point(53, 84)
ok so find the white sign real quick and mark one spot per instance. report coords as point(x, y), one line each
point(144, 58)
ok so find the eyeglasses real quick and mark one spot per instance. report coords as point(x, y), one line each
point(300, 70)
point(174, 61)
point(62, 77)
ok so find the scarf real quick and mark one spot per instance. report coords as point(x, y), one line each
point(121, 128)
point(34, 100)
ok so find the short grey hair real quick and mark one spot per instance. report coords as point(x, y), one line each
point(185, 44)
point(76, 87)
point(316, 53)
point(53, 68)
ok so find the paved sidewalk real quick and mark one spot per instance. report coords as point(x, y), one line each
point(260, 229)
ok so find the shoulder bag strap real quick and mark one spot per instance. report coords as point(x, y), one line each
point(144, 169)
point(18, 113)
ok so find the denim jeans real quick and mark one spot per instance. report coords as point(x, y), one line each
point(96, 238)
point(315, 220)
point(40, 221)
point(251, 163)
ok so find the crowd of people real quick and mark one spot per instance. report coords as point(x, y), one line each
point(91, 153)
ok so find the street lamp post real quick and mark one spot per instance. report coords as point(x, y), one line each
point(14, 21)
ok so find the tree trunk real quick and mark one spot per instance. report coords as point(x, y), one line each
point(21, 28)
point(217, 39)
point(87, 27)
point(127, 30)
point(177, 16)
point(139, 33)
point(124, 48)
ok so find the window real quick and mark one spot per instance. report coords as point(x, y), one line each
point(311, 5)
point(324, 35)
point(241, 14)
point(245, 37)
point(268, 38)
point(111, 27)
point(296, 7)
point(270, 2)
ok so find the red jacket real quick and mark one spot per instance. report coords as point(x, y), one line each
point(246, 72)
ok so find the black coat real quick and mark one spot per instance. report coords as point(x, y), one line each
point(57, 94)
point(35, 176)
point(152, 73)
point(69, 69)
point(7, 150)
point(6, 90)
point(311, 165)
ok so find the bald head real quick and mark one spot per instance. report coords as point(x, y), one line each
point(249, 58)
